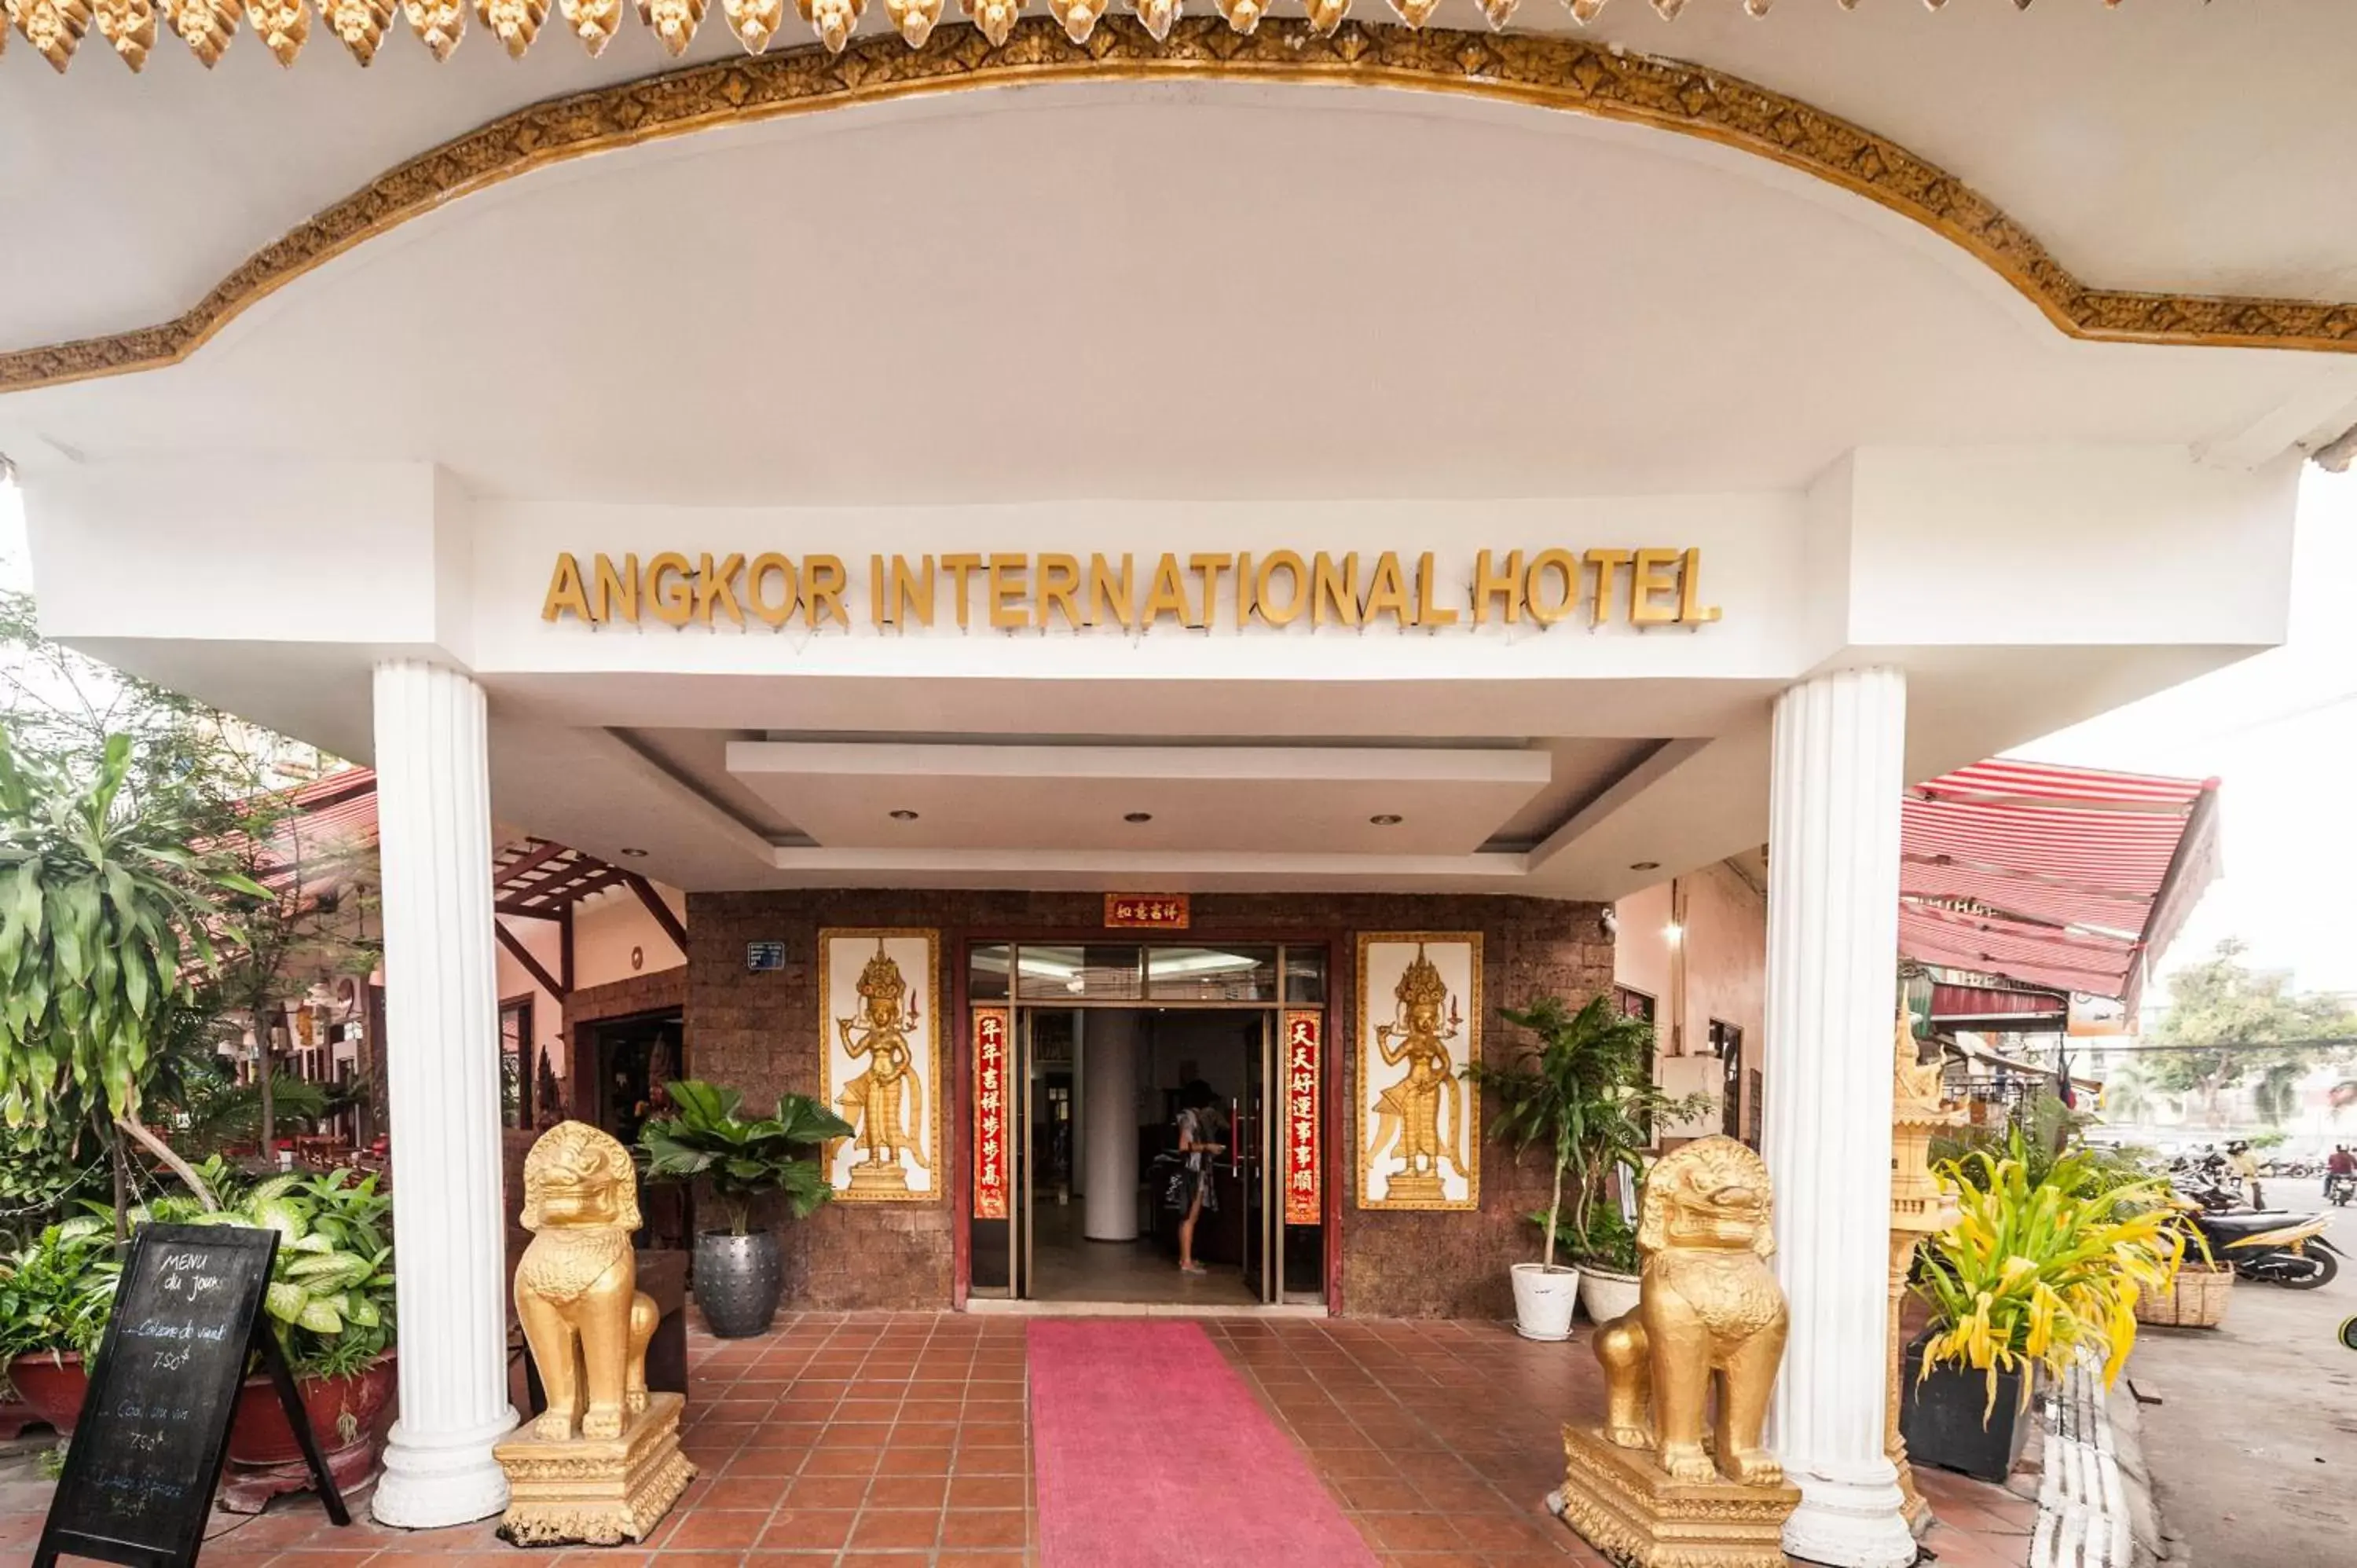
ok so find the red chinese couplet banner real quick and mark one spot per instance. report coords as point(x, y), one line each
point(990, 1028)
point(1304, 1045)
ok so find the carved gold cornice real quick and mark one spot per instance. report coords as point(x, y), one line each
point(1547, 71)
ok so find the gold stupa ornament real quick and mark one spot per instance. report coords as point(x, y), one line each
point(55, 27)
point(1921, 1206)
point(602, 1463)
point(1661, 1484)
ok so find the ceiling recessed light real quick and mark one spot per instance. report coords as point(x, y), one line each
point(1139, 817)
point(636, 854)
point(904, 815)
point(1644, 865)
point(1386, 818)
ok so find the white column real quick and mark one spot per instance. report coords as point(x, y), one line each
point(1109, 1127)
point(1832, 942)
point(442, 1058)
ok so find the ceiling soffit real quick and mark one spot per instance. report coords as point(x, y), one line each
point(1549, 72)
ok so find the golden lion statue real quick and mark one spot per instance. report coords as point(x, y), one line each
point(1709, 1309)
point(577, 1287)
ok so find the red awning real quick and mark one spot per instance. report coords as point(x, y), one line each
point(2067, 877)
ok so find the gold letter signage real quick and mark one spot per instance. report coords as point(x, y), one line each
point(990, 1026)
point(1648, 587)
point(1304, 1202)
point(1419, 1024)
point(878, 996)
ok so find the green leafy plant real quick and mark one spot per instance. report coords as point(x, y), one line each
point(2033, 1273)
point(331, 1297)
point(1585, 1095)
point(742, 1158)
point(47, 1300)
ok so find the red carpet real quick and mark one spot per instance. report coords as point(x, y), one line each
point(1151, 1452)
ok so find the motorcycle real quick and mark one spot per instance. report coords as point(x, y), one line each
point(2274, 1247)
point(2340, 1188)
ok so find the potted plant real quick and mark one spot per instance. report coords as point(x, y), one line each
point(1585, 1094)
point(2033, 1274)
point(1608, 1263)
point(53, 1314)
point(737, 1272)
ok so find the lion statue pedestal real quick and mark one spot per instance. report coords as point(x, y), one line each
point(1661, 1484)
point(602, 1465)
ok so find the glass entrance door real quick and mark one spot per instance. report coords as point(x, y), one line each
point(1248, 1150)
point(1082, 1057)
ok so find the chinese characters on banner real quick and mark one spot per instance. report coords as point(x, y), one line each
point(990, 1026)
point(1146, 911)
point(1303, 1044)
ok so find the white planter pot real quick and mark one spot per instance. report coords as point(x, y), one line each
point(1607, 1295)
point(1544, 1300)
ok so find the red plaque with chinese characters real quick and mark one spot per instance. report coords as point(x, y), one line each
point(1146, 911)
point(990, 1102)
point(1303, 1044)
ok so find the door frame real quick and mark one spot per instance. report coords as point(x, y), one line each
point(1333, 1112)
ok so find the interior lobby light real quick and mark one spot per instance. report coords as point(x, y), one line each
point(1644, 865)
point(903, 815)
point(635, 854)
point(1139, 817)
point(1386, 818)
point(1674, 932)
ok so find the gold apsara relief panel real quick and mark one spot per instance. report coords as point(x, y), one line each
point(880, 1025)
point(1552, 71)
point(1418, 1025)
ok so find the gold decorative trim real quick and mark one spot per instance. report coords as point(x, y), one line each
point(1554, 72)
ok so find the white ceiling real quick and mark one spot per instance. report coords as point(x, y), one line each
point(1026, 295)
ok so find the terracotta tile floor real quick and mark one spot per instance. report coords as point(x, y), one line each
point(901, 1439)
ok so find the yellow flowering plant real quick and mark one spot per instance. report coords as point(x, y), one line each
point(2033, 1275)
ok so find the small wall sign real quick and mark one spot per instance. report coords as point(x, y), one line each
point(1146, 911)
point(764, 958)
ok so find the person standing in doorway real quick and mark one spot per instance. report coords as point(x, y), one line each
point(1202, 1131)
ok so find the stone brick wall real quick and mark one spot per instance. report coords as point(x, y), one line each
point(761, 1033)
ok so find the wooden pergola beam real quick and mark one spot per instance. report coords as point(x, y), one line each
point(522, 955)
point(659, 909)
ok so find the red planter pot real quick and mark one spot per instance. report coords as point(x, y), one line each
point(52, 1386)
point(259, 1433)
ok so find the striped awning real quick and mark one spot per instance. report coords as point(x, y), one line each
point(2067, 877)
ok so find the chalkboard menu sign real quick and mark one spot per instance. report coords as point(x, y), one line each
point(138, 1480)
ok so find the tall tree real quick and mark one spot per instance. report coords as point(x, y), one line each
point(2231, 1026)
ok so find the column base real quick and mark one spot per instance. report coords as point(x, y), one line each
point(441, 1478)
point(1851, 1522)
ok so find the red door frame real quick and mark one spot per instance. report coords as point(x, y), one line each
point(962, 941)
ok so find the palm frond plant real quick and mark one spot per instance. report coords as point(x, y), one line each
point(2035, 1273)
point(1584, 1093)
point(741, 1158)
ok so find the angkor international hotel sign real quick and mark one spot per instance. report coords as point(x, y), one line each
point(1637, 585)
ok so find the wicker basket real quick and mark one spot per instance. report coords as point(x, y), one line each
point(2197, 1299)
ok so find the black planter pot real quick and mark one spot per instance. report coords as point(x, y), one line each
point(738, 1281)
point(1941, 1418)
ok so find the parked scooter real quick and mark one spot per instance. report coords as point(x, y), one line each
point(2275, 1247)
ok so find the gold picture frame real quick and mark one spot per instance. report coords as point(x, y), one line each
point(1423, 990)
point(858, 967)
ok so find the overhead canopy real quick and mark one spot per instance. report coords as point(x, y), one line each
point(2047, 876)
